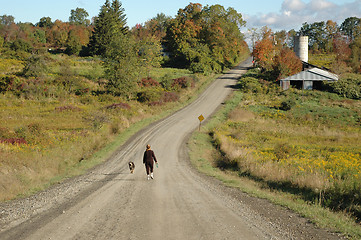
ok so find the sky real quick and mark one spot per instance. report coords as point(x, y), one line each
point(276, 14)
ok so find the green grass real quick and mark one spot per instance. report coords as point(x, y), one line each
point(306, 158)
point(204, 156)
point(68, 134)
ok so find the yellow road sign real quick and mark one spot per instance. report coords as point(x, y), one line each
point(201, 118)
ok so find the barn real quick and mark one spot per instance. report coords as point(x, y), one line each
point(308, 79)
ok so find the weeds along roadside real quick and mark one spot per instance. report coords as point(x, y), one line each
point(46, 138)
point(299, 149)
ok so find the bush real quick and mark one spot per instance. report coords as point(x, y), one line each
point(287, 104)
point(198, 67)
point(166, 82)
point(11, 83)
point(183, 82)
point(148, 82)
point(14, 141)
point(170, 97)
point(4, 83)
point(96, 120)
point(21, 45)
point(34, 66)
point(250, 84)
point(348, 86)
point(149, 95)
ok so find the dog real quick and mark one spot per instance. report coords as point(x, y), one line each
point(131, 166)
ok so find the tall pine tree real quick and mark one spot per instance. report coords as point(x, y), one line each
point(110, 24)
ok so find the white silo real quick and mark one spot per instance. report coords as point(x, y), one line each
point(301, 47)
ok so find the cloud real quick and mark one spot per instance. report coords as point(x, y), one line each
point(321, 5)
point(294, 13)
point(293, 5)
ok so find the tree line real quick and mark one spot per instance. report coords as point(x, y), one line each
point(272, 49)
point(203, 39)
point(191, 39)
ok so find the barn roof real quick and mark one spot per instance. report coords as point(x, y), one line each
point(312, 74)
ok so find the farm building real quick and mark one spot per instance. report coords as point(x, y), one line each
point(312, 76)
point(308, 79)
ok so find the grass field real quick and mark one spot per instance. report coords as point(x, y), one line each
point(302, 145)
point(50, 129)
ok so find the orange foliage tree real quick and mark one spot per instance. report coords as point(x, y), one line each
point(286, 63)
point(264, 51)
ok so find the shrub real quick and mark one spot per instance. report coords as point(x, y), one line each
point(183, 82)
point(4, 83)
point(170, 97)
point(34, 66)
point(250, 84)
point(96, 120)
point(287, 104)
point(166, 82)
point(21, 45)
point(148, 82)
point(348, 86)
point(81, 91)
point(149, 95)
point(199, 67)
point(13, 141)
point(156, 103)
point(115, 127)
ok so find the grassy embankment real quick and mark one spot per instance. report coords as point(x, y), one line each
point(299, 149)
point(48, 133)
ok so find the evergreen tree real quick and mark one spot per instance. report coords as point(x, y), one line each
point(111, 23)
point(122, 66)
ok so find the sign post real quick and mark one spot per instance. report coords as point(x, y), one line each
point(200, 118)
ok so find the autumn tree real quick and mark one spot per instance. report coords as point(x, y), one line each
point(286, 63)
point(59, 33)
point(155, 27)
point(264, 50)
point(8, 28)
point(221, 33)
point(182, 34)
point(342, 50)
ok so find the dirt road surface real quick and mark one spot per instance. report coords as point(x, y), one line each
point(110, 203)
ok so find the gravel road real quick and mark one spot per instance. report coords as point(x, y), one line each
point(110, 203)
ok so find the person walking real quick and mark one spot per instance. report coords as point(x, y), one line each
point(149, 159)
